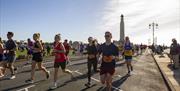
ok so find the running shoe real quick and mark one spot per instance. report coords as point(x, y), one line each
point(88, 84)
point(12, 77)
point(131, 68)
point(29, 81)
point(54, 86)
point(48, 74)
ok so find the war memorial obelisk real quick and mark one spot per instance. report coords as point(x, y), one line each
point(122, 30)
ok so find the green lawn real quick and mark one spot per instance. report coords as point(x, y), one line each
point(18, 53)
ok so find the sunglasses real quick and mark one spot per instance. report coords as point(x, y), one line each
point(107, 35)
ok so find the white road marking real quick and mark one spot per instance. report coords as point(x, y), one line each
point(43, 64)
point(117, 89)
point(118, 75)
point(70, 64)
point(91, 77)
point(76, 71)
point(26, 88)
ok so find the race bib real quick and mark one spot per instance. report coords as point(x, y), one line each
point(91, 56)
point(128, 53)
point(107, 58)
point(57, 56)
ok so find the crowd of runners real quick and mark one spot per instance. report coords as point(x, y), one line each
point(105, 54)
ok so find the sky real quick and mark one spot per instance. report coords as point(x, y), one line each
point(76, 20)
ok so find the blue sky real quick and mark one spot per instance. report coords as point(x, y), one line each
point(79, 19)
point(70, 18)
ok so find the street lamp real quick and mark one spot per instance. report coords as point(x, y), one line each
point(153, 26)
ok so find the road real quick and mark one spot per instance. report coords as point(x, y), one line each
point(145, 77)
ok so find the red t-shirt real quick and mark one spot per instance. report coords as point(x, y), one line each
point(59, 57)
point(67, 47)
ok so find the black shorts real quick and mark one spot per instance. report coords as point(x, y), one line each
point(37, 57)
point(1, 57)
point(10, 58)
point(62, 64)
point(105, 71)
point(29, 52)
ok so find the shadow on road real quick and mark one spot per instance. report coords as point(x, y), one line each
point(21, 86)
point(120, 64)
point(175, 72)
point(80, 63)
point(72, 80)
point(84, 76)
point(119, 82)
point(116, 83)
point(84, 89)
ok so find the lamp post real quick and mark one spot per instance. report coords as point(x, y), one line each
point(153, 26)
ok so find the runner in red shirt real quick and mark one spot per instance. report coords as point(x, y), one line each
point(67, 47)
point(60, 59)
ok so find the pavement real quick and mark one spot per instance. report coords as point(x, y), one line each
point(172, 76)
point(145, 77)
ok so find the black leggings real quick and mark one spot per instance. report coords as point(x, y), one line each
point(90, 63)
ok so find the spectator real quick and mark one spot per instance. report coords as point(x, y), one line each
point(174, 52)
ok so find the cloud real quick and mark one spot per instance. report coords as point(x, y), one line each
point(138, 14)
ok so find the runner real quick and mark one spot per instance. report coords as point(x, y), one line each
point(1, 58)
point(92, 59)
point(37, 58)
point(29, 48)
point(120, 47)
point(60, 59)
point(142, 48)
point(44, 48)
point(97, 46)
point(48, 49)
point(96, 43)
point(109, 53)
point(1, 50)
point(81, 50)
point(10, 49)
point(67, 47)
point(128, 52)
